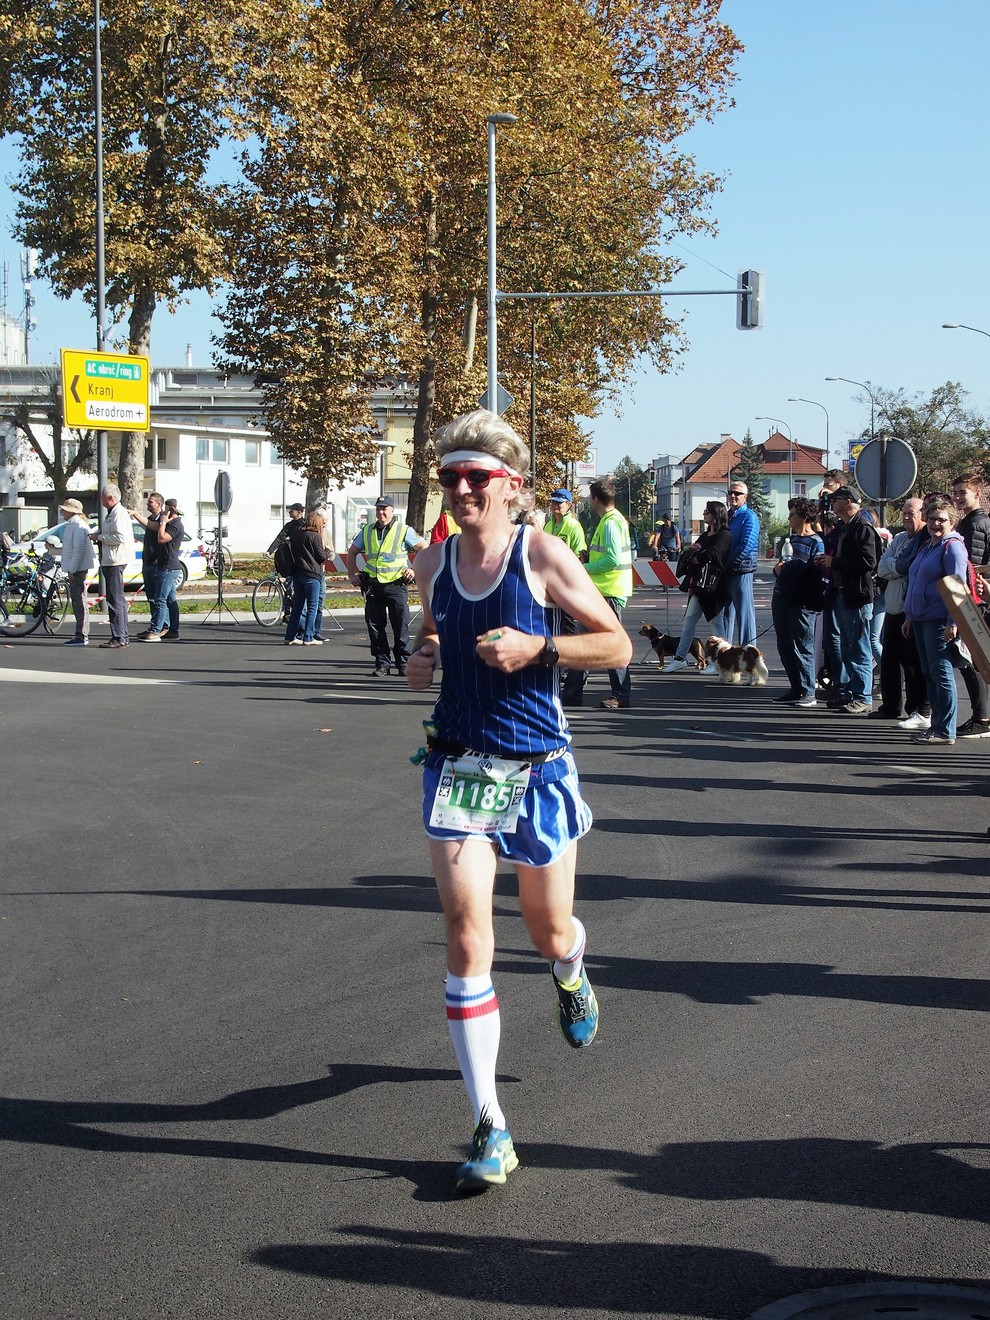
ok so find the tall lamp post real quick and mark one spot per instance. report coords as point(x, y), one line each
point(790, 452)
point(873, 403)
point(492, 332)
point(957, 325)
point(797, 399)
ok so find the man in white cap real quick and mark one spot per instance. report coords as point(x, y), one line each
point(78, 561)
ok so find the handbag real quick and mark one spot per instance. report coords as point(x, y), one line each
point(708, 578)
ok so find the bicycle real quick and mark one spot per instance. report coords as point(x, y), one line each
point(271, 600)
point(31, 594)
point(215, 550)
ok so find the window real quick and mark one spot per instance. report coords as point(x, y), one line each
point(211, 450)
point(252, 451)
point(800, 487)
point(156, 452)
point(273, 455)
point(276, 512)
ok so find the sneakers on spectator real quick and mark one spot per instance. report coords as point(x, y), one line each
point(915, 721)
point(974, 728)
point(786, 699)
point(853, 708)
point(928, 737)
point(150, 637)
point(805, 703)
point(492, 1157)
point(672, 666)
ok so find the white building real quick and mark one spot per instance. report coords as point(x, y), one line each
point(203, 423)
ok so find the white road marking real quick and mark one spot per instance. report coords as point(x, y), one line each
point(36, 676)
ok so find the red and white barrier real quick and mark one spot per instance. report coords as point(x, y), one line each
point(653, 573)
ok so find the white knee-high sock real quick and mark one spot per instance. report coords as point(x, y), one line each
point(568, 969)
point(473, 1019)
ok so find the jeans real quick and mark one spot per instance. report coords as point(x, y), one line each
point(876, 628)
point(317, 626)
point(619, 679)
point(855, 654)
point(740, 611)
point(165, 604)
point(113, 575)
point(795, 629)
point(307, 591)
point(80, 607)
point(693, 616)
point(934, 655)
point(387, 604)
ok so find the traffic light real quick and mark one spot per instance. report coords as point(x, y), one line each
point(749, 301)
point(651, 475)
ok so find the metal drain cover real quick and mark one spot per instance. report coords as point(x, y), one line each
point(867, 1301)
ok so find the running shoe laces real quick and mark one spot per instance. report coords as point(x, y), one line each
point(577, 1011)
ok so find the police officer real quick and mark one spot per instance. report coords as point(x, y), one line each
point(385, 544)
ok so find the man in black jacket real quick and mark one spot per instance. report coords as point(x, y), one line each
point(852, 568)
point(974, 528)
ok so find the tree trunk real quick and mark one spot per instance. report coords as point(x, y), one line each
point(130, 469)
point(419, 484)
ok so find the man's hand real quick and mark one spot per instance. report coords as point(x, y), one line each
point(420, 667)
point(508, 650)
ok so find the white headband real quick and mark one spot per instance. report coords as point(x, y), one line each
point(474, 457)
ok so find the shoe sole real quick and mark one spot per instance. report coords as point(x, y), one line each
point(471, 1181)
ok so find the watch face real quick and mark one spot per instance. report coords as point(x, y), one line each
point(549, 655)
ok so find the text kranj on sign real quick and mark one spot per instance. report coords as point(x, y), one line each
point(105, 391)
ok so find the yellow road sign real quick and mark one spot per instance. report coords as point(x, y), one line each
point(105, 391)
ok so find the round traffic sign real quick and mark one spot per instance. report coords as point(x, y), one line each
point(222, 494)
point(886, 475)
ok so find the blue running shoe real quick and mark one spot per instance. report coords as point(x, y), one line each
point(577, 1011)
point(491, 1158)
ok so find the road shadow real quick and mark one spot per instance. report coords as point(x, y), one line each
point(556, 1276)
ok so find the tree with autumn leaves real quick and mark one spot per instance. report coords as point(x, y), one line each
point(352, 242)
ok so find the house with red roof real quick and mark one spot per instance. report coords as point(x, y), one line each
point(791, 469)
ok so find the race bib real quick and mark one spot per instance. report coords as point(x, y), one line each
point(480, 794)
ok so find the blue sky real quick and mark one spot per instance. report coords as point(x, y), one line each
point(857, 161)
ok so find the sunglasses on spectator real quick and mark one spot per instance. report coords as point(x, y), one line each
point(476, 478)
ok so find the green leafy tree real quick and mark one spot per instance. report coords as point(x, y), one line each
point(750, 469)
point(61, 450)
point(177, 76)
point(946, 436)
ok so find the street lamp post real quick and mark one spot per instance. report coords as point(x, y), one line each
point(492, 333)
point(873, 403)
point(957, 325)
point(790, 452)
point(798, 399)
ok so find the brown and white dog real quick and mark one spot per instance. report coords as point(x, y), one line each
point(733, 662)
point(665, 644)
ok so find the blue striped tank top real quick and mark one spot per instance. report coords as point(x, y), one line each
point(518, 714)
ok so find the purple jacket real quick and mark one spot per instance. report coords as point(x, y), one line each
point(945, 557)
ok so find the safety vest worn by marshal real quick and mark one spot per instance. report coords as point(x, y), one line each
point(386, 559)
point(616, 582)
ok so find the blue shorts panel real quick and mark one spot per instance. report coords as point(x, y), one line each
point(552, 817)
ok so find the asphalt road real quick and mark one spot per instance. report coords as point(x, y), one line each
point(228, 1089)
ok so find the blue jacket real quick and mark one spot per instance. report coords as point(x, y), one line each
point(945, 557)
point(744, 542)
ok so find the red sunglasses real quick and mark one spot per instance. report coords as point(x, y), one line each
point(476, 478)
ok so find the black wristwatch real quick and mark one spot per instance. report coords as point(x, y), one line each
point(549, 656)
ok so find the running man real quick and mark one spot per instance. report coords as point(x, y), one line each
point(499, 777)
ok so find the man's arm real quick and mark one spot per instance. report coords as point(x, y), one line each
point(352, 573)
point(611, 556)
point(604, 644)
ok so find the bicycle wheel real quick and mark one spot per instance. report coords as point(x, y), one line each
point(228, 561)
point(21, 608)
point(56, 607)
point(268, 601)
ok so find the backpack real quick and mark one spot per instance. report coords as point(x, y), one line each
point(285, 564)
point(971, 587)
